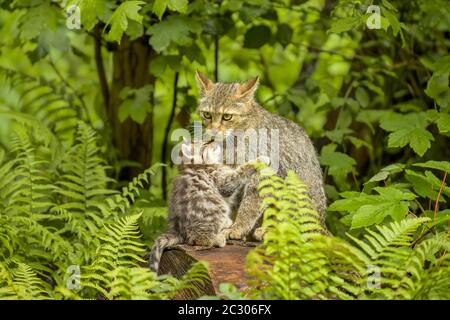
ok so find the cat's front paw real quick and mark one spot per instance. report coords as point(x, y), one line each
point(259, 233)
point(226, 232)
point(234, 234)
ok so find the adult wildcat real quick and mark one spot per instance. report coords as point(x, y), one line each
point(229, 107)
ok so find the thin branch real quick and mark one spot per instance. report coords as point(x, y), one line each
point(68, 85)
point(166, 136)
point(266, 73)
point(216, 48)
point(413, 244)
point(97, 36)
point(290, 8)
point(420, 206)
point(429, 199)
point(272, 97)
point(216, 58)
point(436, 206)
point(100, 67)
point(355, 56)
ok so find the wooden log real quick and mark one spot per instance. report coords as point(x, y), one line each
point(226, 264)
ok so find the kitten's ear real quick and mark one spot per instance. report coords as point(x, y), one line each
point(214, 154)
point(217, 150)
point(186, 148)
point(204, 83)
point(247, 89)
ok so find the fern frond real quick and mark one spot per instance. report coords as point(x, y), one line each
point(142, 284)
point(130, 192)
point(22, 283)
point(7, 237)
point(82, 186)
point(68, 215)
point(197, 274)
point(131, 283)
point(46, 236)
point(295, 260)
point(427, 271)
point(119, 248)
point(386, 252)
point(83, 179)
point(50, 102)
point(298, 261)
point(31, 190)
point(115, 271)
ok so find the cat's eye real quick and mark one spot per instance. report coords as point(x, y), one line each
point(227, 117)
point(206, 115)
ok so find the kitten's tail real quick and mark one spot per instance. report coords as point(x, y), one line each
point(164, 241)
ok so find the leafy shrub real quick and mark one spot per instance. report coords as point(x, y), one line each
point(60, 211)
point(299, 260)
point(376, 103)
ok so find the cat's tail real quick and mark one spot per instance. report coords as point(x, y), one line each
point(164, 241)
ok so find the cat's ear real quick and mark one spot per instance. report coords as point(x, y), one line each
point(204, 83)
point(247, 89)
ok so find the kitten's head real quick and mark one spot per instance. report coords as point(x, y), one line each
point(226, 106)
point(201, 152)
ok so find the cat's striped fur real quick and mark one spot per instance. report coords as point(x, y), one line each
point(228, 107)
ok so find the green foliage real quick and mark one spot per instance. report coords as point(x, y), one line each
point(339, 164)
point(298, 260)
point(408, 129)
point(52, 104)
point(115, 272)
point(22, 283)
point(376, 103)
point(367, 210)
point(119, 19)
point(135, 104)
point(92, 10)
point(61, 212)
point(160, 6)
point(257, 36)
point(174, 30)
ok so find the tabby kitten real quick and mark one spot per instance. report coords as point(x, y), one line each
point(198, 210)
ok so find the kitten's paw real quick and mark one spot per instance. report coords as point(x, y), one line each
point(264, 159)
point(259, 233)
point(234, 234)
point(221, 241)
point(260, 159)
point(226, 232)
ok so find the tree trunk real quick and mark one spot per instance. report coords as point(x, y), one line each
point(132, 140)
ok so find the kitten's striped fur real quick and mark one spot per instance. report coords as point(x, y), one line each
point(198, 211)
